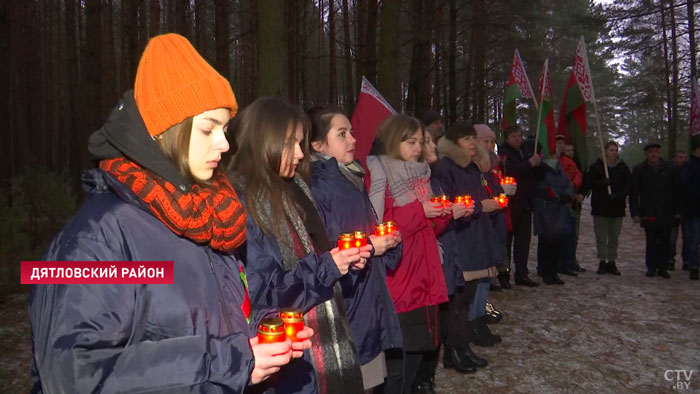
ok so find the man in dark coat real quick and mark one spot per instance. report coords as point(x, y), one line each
point(607, 208)
point(690, 186)
point(519, 162)
point(654, 204)
point(679, 159)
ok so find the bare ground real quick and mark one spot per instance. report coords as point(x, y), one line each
point(598, 333)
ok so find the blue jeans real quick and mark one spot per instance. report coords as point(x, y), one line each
point(691, 226)
point(478, 305)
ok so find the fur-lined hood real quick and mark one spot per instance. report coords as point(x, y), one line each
point(449, 149)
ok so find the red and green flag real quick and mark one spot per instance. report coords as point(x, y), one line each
point(546, 129)
point(518, 87)
point(572, 115)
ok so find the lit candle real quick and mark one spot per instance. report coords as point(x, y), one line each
point(360, 239)
point(346, 241)
point(390, 227)
point(271, 331)
point(468, 200)
point(444, 199)
point(459, 200)
point(501, 199)
point(380, 229)
point(436, 199)
point(293, 319)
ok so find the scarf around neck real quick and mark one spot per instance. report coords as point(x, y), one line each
point(353, 172)
point(407, 180)
point(210, 216)
point(332, 347)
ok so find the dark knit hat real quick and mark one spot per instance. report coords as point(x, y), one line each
point(431, 116)
point(651, 145)
point(174, 82)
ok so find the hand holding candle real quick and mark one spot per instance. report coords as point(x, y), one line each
point(269, 357)
point(303, 342)
point(502, 200)
point(433, 208)
point(293, 319)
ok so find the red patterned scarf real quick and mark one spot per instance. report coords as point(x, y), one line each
point(206, 215)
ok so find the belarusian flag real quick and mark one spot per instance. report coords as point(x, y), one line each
point(518, 87)
point(371, 109)
point(547, 130)
point(694, 109)
point(572, 115)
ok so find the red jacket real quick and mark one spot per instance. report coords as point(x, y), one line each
point(571, 170)
point(417, 281)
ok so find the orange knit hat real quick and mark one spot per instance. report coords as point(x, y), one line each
point(174, 82)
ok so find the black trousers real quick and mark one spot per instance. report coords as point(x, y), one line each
point(658, 245)
point(521, 218)
point(549, 253)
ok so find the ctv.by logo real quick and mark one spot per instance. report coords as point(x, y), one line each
point(680, 377)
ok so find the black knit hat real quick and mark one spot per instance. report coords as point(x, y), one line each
point(431, 116)
point(651, 145)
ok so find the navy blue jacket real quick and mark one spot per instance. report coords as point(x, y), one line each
point(190, 336)
point(515, 164)
point(187, 337)
point(269, 283)
point(344, 207)
point(477, 244)
point(552, 216)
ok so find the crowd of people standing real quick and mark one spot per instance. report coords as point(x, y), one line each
point(259, 235)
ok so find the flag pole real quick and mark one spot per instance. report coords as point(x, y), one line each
point(597, 118)
point(539, 109)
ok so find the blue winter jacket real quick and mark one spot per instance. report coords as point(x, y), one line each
point(187, 337)
point(344, 207)
point(552, 216)
point(477, 245)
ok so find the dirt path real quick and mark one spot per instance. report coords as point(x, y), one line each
point(597, 333)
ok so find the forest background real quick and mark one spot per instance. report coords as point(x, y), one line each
point(65, 63)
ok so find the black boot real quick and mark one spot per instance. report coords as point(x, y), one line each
point(612, 268)
point(482, 334)
point(548, 279)
point(423, 388)
point(478, 335)
point(524, 280)
point(602, 268)
point(456, 358)
point(577, 267)
point(662, 272)
point(568, 272)
point(557, 280)
point(694, 274)
point(504, 279)
point(473, 358)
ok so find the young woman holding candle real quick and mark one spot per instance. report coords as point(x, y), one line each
point(289, 258)
point(158, 155)
point(400, 191)
point(464, 168)
point(339, 191)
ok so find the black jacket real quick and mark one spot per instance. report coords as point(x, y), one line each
point(604, 204)
point(515, 164)
point(654, 194)
point(690, 187)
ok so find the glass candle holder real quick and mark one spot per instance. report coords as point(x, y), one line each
point(390, 227)
point(380, 229)
point(360, 239)
point(293, 319)
point(271, 331)
point(346, 241)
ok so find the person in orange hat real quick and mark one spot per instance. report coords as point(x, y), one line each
point(158, 194)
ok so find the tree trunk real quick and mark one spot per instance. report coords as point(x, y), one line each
point(130, 46)
point(109, 66)
point(360, 40)
point(292, 23)
point(272, 49)
point(221, 37)
point(5, 60)
point(673, 130)
point(154, 16)
point(332, 98)
point(388, 78)
point(667, 69)
point(370, 67)
point(349, 88)
point(452, 61)
point(479, 103)
point(691, 38)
